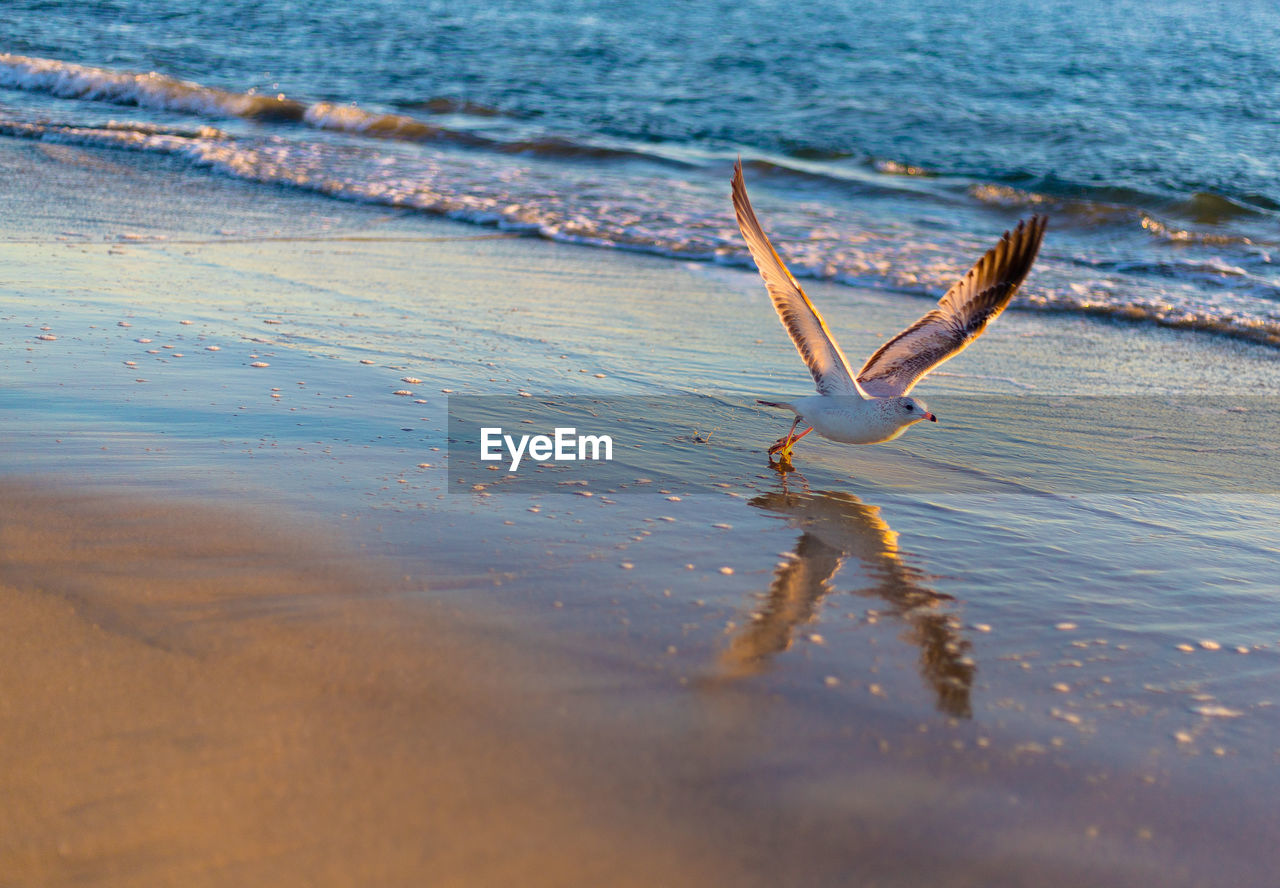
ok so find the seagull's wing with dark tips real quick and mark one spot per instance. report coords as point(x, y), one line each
point(830, 369)
point(961, 316)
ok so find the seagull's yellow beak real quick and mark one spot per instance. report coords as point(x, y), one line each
point(930, 417)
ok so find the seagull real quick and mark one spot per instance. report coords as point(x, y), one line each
point(872, 406)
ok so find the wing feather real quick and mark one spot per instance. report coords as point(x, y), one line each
point(831, 371)
point(961, 316)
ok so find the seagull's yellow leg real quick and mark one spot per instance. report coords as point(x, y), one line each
point(786, 451)
point(785, 441)
point(782, 447)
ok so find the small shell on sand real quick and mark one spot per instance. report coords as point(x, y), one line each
point(626, 565)
point(412, 380)
point(259, 364)
point(1210, 645)
point(1186, 647)
point(131, 363)
point(1065, 627)
point(123, 324)
point(47, 337)
point(365, 361)
point(404, 393)
point(727, 571)
point(212, 348)
point(185, 323)
point(144, 340)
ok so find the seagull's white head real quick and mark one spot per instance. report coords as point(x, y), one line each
point(910, 411)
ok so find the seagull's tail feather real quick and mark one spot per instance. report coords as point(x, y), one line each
point(779, 404)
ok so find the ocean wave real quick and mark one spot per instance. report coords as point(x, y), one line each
point(1262, 331)
point(351, 119)
point(1089, 213)
point(160, 92)
point(1105, 203)
point(1184, 235)
point(70, 81)
point(863, 178)
point(1211, 208)
point(1082, 204)
point(899, 168)
point(1206, 209)
point(689, 219)
point(447, 105)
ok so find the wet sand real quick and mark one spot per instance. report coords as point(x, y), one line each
point(195, 698)
point(215, 672)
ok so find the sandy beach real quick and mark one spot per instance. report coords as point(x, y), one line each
point(253, 632)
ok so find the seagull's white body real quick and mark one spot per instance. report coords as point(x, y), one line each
point(853, 420)
point(872, 406)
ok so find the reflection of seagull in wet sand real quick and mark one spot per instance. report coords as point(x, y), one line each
point(835, 526)
point(872, 406)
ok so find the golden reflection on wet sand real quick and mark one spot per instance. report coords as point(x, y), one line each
point(835, 527)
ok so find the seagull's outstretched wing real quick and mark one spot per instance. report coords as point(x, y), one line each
point(830, 368)
point(961, 316)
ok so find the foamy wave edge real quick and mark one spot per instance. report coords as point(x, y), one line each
point(212, 149)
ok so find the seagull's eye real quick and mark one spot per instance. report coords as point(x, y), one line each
point(910, 407)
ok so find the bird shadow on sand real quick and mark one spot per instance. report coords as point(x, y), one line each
point(835, 527)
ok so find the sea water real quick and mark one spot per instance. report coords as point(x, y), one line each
point(886, 145)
